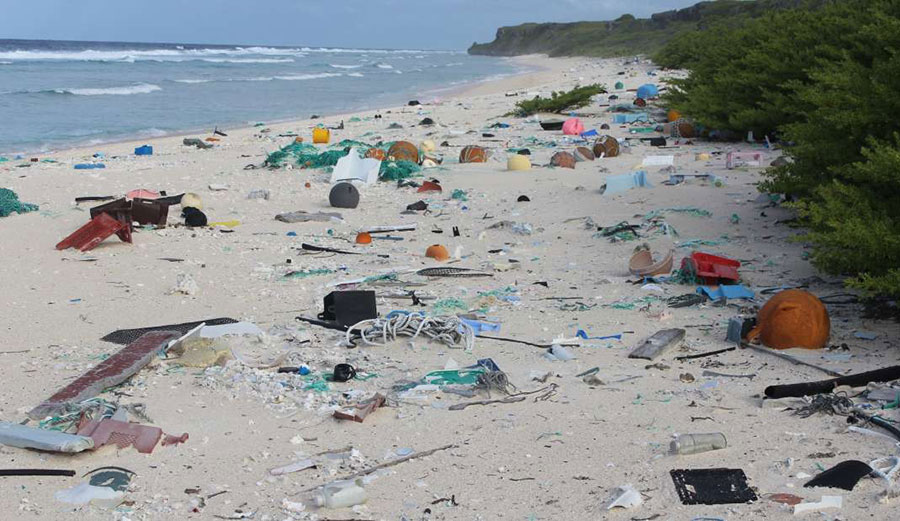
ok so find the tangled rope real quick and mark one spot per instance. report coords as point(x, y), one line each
point(826, 404)
point(448, 330)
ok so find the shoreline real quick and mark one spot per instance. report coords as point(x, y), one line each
point(537, 65)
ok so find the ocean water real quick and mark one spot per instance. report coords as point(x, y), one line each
point(55, 94)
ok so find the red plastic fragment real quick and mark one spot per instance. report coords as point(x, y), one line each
point(112, 371)
point(121, 434)
point(171, 439)
point(91, 234)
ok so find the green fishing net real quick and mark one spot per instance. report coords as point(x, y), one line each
point(304, 156)
point(396, 170)
point(9, 203)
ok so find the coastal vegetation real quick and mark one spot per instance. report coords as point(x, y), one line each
point(822, 83)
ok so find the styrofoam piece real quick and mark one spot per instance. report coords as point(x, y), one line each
point(24, 437)
point(85, 493)
point(658, 161)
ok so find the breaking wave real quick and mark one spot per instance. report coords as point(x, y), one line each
point(141, 88)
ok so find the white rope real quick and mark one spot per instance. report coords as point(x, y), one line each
point(448, 330)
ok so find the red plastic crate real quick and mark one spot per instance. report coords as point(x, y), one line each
point(711, 269)
point(93, 233)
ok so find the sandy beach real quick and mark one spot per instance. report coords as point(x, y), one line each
point(559, 454)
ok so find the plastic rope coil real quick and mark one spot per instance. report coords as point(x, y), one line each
point(448, 330)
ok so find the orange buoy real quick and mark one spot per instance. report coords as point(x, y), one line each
point(563, 160)
point(437, 252)
point(606, 146)
point(673, 115)
point(473, 154)
point(792, 318)
point(376, 153)
point(363, 238)
point(404, 151)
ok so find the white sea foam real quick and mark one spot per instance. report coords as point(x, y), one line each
point(248, 60)
point(181, 54)
point(301, 77)
point(345, 66)
point(193, 81)
point(384, 66)
point(356, 74)
point(141, 88)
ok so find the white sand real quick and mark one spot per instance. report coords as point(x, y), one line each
point(559, 459)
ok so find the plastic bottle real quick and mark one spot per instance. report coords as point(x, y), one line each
point(338, 494)
point(695, 443)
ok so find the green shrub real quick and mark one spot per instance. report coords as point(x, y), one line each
point(559, 102)
point(826, 82)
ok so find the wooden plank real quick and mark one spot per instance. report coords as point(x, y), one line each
point(659, 343)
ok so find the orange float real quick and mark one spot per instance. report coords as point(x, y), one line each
point(473, 154)
point(404, 151)
point(437, 252)
point(792, 318)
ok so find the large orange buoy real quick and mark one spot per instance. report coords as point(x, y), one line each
point(437, 252)
point(792, 318)
point(606, 146)
point(473, 154)
point(363, 238)
point(404, 151)
point(673, 115)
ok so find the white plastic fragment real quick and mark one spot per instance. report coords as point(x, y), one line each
point(24, 437)
point(826, 502)
point(625, 497)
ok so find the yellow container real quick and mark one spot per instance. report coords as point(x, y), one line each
point(321, 135)
point(518, 162)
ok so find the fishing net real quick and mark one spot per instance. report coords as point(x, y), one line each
point(396, 170)
point(304, 156)
point(9, 203)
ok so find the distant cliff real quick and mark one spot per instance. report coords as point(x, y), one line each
point(627, 34)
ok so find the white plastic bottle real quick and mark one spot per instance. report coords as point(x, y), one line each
point(696, 443)
point(338, 494)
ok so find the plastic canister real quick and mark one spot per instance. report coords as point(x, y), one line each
point(696, 443)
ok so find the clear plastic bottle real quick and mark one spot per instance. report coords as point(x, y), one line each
point(695, 443)
point(338, 494)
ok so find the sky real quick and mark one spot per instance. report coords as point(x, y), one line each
point(394, 24)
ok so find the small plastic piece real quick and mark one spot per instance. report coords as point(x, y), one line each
point(626, 497)
point(338, 494)
point(826, 502)
point(711, 269)
point(845, 475)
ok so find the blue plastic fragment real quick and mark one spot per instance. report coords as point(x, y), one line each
point(581, 333)
point(736, 291)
